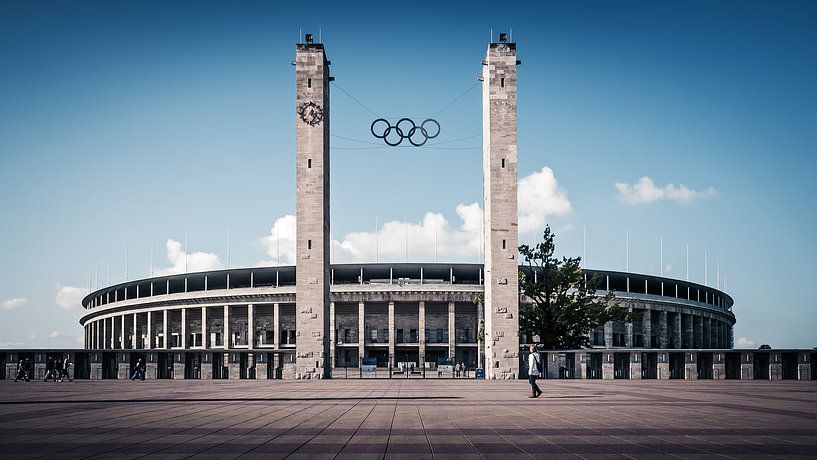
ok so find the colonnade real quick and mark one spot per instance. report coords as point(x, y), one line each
point(666, 329)
point(227, 326)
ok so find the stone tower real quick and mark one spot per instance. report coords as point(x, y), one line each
point(501, 221)
point(312, 215)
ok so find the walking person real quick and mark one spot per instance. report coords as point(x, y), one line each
point(534, 371)
point(66, 365)
point(49, 369)
point(20, 373)
point(27, 369)
point(457, 370)
point(138, 372)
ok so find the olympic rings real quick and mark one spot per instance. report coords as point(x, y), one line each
point(405, 128)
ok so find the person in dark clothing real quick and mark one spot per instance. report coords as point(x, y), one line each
point(27, 369)
point(138, 371)
point(66, 365)
point(20, 373)
point(49, 368)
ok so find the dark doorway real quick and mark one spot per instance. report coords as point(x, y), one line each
point(382, 357)
point(243, 360)
point(676, 366)
point(621, 366)
point(110, 368)
point(649, 365)
point(3, 366)
point(82, 366)
point(813, 366)
point(568, 370)
point(789, 366)
point(732, 365)
point(192, 366)
point(594, 365)
point(704, 366)
point(164, 366)
point(761, 367)
point(219, 371)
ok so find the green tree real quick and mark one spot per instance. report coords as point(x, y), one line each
point(563, 306)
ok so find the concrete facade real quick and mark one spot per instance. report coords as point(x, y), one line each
point(500, 199)
point(312, 209)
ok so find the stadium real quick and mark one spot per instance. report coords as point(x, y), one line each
point(401, 316)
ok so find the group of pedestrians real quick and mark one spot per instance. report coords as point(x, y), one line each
point(56, 370)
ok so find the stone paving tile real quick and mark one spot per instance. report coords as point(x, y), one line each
point(408, 419)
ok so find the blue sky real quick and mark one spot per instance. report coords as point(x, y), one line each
point(125, 122)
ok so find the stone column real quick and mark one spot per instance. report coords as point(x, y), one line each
point(452, 331)
point(312, 210)
point(775, 366)
point(608, 334)
point(646, 327)
point(251, 328)
point(581, 365)
point(391, 334)
point(276, 324)
point(551, 364)
point(662, 330)
point(718, 334)
point(663, 366)
point(718, 366)
point(635, 366)
point(165, 329)
point(421, 332)
point(804, 366)
point(149, 345)
point(747, 366)
point(699, 331)
point(499, 100)
point(104, 332)
point(184, 329)
point(679, 341)
point(227, 340)
point(97, 340)
point(134, 340)
point(628, 332)
point(361, 330)
point(122, 333)
point(608, 365)
point(205, 340)
point(691, 365)
point(689, 334)
point(707, 334)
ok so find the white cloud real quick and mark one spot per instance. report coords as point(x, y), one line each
point(434, 236)
point(11, 344)
point(539, 198)
point(645, 191)
point(195, 262)
point(743, 342)
point(11, 304)
point(280, 243)
point(56, 334)
point(70, 297)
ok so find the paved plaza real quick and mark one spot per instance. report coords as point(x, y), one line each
point(408, 418)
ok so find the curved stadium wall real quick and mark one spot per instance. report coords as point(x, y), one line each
point(393, 314)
